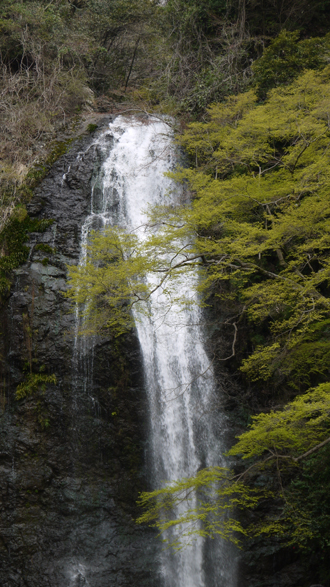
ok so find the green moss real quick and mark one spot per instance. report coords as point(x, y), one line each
point(12, 243)
point(44, 248)
point(45, 261)
point(39, 171)
point(36, 174)
point(42, 416)
point(59, 149)
point(14, 235)
point(33, 383)
point(91, 128)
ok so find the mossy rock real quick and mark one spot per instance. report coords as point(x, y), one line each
point(12, 242)
point(92, 128)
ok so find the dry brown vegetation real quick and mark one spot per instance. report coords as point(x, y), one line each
point(56, 56)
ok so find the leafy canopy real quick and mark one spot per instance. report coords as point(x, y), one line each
point(260, 216)
point(281, 440)
point(286, 57)
point(121, 272)
point(258, 229)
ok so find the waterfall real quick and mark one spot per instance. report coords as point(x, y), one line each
point(178, 376)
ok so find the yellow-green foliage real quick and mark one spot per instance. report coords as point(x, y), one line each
point(261, 211)
point(113, 278)
point(287, 57)
point(33, 383)
point(300, 426)
point(260, 217)
point(278, 440)
point(216, 493)
point(103, 286)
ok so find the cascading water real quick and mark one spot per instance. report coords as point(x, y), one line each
point(178, 376)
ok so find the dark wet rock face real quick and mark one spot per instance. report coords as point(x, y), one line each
point(71, 454)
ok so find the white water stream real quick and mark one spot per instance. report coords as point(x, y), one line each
point(136, 155)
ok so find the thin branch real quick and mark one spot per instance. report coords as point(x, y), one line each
point(233, 345)
point(132, 62)
point(275, 456)
point(312, 450)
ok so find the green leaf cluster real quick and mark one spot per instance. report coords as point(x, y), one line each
point(278, 442)
point(301, 425)
point(287, 57)
point(13, 237)
point(112, 281)
point(203, 504)
point(260, 216)
point(259, 177)
point(33, 383)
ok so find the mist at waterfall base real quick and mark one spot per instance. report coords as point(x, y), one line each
point(180, 386)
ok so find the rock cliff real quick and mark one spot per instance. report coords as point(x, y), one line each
point(70, 453)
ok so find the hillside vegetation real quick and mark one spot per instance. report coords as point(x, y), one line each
point(58, 57)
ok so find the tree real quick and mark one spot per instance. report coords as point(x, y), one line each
point(258, 229)
point(280, 440)
point(258, 222)
point(260, 216)
point(260, 219)
point(286, 57)
point(121, 272)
